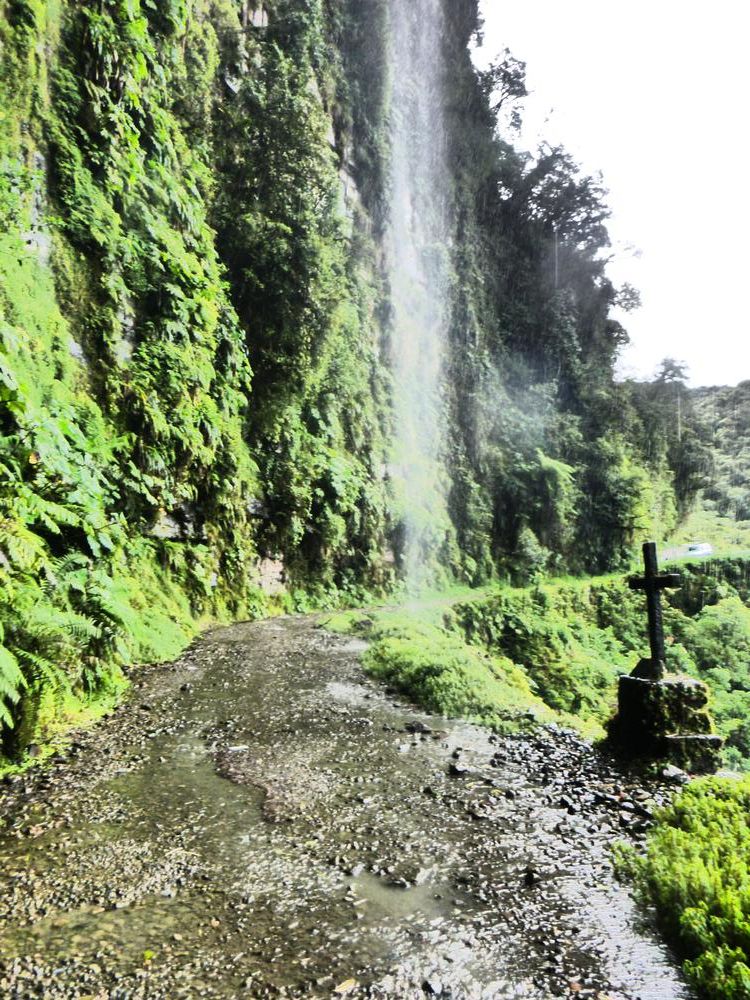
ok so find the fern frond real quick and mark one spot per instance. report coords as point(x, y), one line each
point(72, 563)
point(38, 669)
point(23, 548)
point(11, 683)
point(48, 624)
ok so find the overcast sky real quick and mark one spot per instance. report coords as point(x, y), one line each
point(654, 93)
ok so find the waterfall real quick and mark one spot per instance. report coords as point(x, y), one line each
point(417, 249)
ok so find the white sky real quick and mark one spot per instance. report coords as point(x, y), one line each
point(654, 93)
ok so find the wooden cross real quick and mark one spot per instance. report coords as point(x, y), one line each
point(653, 583)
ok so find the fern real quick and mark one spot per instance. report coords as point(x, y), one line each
point(22, 547)
point(39, 671)
point(52, 626)
point(11, 683)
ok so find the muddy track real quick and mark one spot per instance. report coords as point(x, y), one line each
point(261, 820)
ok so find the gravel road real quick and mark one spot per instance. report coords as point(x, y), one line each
point(261, 820)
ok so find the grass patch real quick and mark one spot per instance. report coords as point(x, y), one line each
point(438, 669)
point(418, 652)
point(348, 622)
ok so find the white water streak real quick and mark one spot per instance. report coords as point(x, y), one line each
point(418, 264)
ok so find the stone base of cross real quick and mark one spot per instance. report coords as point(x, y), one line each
point(666, 720)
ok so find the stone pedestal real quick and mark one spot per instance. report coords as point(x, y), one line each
point(666, 719)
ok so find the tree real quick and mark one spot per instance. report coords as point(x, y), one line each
point(672, 371)
point(628, 298)
point(504, 83)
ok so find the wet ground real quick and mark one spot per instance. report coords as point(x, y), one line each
point(261, 820)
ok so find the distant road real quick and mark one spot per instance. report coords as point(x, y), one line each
point(688, 552)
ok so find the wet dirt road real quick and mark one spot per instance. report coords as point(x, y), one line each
point(261, 820)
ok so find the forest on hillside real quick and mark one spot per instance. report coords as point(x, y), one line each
point(724, 412)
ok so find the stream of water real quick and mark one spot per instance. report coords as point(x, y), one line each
point(418, 242)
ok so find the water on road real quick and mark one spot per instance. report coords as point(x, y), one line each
point(261, 820)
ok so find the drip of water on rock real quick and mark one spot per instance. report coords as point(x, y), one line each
point(418, 270)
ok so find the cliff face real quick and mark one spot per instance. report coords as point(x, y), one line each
point(196, 331)
point(192, 400)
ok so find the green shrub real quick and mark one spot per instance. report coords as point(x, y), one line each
point(436, 668)
point(697, 874)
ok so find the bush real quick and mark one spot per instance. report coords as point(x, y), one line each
point(697, 874)
point(437, 669)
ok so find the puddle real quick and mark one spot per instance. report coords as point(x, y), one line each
point(385, 901)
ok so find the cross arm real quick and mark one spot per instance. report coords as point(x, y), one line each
point(656, 582)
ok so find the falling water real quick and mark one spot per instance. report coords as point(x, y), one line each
point(418, 265)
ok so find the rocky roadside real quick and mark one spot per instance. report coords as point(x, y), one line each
point(261, 820)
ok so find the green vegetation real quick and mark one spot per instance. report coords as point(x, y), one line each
point(554, 651)
point(434, 666)
point(697, 874)
point(555, 634)
point(573, 638)
point(549, 473)
point(194, 342)
point(725, 415)
point(717, 641)
point(139, 489)
point(726, 536)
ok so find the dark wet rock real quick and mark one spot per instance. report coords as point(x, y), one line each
point(530, 876)
point(417, 726)
point(457, 770)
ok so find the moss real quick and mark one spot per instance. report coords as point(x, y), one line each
point(348, 623)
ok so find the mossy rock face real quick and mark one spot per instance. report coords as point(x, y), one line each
point(696, 754)
point(666, 719)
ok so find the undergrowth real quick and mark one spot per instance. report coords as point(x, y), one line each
point(696, 872)
point(415, 652)
point(556, 650)
point(435, 667)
